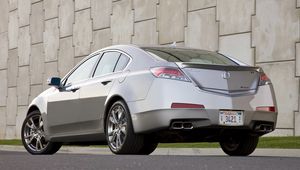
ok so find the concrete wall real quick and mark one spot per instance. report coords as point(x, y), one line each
point(43, 38)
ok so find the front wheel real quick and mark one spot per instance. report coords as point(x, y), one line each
point(239, 145)
point(33, 136)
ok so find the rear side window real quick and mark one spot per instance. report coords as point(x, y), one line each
point(189, 55)
point(107, 63)
point(122, 63)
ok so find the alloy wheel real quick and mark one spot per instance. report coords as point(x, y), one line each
point(34, 134)
point(117, 127)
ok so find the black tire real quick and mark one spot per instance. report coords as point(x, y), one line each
point(239, 145)
point(132, 143)
point(30, 136)
point(149, 146)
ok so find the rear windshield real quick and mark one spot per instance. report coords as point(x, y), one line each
point(189, 55)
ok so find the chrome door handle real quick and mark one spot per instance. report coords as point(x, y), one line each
point(106, 82)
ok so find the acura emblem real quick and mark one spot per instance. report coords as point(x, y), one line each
point(226, 75)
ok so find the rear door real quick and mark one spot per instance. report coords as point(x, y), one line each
point(94, 92)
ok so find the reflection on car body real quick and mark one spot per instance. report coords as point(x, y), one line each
point(135, 97)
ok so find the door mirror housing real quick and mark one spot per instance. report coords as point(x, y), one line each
point(54, 81)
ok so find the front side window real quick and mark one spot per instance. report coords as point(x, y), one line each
point(107, 63)
point(83, 71)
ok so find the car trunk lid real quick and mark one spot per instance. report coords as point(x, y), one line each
point(223, 79)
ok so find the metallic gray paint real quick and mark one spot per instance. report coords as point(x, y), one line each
point(75, 116)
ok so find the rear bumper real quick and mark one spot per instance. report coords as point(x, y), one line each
point(156, 120)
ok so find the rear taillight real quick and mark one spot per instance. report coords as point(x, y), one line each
point(266, 108)
point(264, 79)
point(169, 73)
point(187, 105)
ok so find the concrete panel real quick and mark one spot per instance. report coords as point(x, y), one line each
point(4, 15)
point(171, 20)
point(10, 132)
point(101, 38)
point(66, 17)
point(298, 3)
point(145, 33)
point(51, 8)
point(282, 75)
point(50, 71)
point(3, 87)
point(23, 85)
point(122, 22)
point(35, 90)
point(196, 4)
point(275, 30)
point(36, 64)
point(11, 106)
point(235, 15)
point(51, 39)
point(82, 4)
point(144, 9)
point(24, 46)
point(237, 46)
point(37, 23)
point(202, 30)
point(297, 123)
point(297, 59)
point(4, 50)
point(21, 114)
point(34, 1)
point(65, 56)
point(12, 71)
point(13, 29)
point(281, 132)
point(82, 36)
point(24, 12)
point(101, 11)
point(2, 122)
point(13, 4)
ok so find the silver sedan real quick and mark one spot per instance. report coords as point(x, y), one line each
point(134, 97)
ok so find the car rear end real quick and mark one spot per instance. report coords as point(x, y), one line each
point(212, 95)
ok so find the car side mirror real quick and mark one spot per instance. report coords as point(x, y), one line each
point(54, 81)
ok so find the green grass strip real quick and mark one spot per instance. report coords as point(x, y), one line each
point(11, 142)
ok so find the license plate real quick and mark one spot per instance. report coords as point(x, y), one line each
point(231, 118)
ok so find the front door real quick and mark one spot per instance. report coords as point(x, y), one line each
point(64, 105)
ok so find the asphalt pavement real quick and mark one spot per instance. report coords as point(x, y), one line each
point(15, 158)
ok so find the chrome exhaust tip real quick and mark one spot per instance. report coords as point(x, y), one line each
point(177, 125)
point(188, 126)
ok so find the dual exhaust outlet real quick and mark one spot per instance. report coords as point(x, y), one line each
point(182, 125)
point(263, 128)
